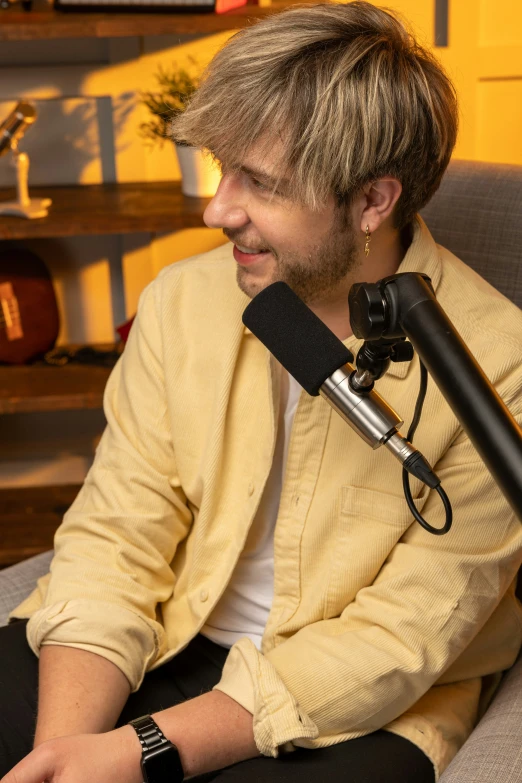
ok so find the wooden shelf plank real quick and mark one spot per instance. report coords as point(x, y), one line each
point(29, 519)
point(107, 209)
point(43, 23)
point(36, 387)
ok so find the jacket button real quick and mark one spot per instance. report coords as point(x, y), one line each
point(251, 489)
point(203, 595)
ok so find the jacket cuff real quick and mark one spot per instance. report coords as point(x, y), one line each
point(129, 641)
point(251, 680)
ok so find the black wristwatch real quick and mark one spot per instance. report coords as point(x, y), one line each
point(160, 761)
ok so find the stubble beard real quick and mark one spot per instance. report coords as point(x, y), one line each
point(314, 277)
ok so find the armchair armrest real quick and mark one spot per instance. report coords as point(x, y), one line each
point(18, 581)
point(493, 752)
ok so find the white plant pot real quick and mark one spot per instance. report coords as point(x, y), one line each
point(200, 176)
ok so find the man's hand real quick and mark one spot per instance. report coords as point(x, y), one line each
point(82, 758)
point(211, 731)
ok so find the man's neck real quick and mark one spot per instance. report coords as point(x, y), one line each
point(386, 255)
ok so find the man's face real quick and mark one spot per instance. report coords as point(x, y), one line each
point(277, 239)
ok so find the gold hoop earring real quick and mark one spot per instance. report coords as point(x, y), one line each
point(368, 238)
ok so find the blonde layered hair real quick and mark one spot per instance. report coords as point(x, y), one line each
point(346, 89)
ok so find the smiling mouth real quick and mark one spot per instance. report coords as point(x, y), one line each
point(248, 256)
point(250, 251)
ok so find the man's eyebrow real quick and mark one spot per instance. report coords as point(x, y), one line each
point(265, 177)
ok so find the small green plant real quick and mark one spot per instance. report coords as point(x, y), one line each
point(175, 88)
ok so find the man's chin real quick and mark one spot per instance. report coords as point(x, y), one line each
point(251, 285)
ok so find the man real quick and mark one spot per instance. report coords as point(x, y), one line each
point(233, 533)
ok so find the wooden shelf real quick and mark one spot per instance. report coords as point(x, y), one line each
point(38, 387)
point(107, 209)
point(29, 519)
point(43, 23)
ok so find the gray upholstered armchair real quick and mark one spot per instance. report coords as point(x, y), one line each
point(477, 214)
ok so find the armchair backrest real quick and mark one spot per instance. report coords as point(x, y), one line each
point(477, 214)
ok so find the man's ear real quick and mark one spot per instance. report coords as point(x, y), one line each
point(379, 200)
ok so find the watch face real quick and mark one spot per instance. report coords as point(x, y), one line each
point(164, 766)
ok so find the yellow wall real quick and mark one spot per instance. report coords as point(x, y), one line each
point(484, 59)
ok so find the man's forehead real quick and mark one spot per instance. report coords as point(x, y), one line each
point(265, 159)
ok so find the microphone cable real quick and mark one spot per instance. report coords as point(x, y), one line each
point(437, 531)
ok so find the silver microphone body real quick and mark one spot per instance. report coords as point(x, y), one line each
point(367, 413)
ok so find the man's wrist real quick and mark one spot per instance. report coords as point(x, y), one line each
point(211, 731)
point(160, 759)
point(169, 726)
point(129, 755)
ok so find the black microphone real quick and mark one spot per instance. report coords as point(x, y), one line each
point(321, 364)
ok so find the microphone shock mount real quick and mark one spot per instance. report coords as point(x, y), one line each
point(375, 316)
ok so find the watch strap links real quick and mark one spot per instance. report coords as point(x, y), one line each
point(160, 760)
point(149, 733)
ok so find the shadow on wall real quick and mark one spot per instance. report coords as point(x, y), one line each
point(72, 141)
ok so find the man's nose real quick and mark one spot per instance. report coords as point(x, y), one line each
point(227, 208)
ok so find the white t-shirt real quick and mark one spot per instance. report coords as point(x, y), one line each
point(244, 606)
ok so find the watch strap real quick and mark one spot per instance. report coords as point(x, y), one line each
point(153, 742)
point(149, 733)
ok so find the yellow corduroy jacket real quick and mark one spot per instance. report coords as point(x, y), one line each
point(375, 623)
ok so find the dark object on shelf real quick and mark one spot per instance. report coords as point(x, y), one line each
point(29, 320)
point(169, 6)
point(84, 354)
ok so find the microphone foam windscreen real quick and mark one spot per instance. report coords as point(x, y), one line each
point(297, 338)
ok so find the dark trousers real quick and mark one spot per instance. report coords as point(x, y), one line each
point(377, 758)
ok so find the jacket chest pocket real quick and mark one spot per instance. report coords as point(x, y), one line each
point(369, 525)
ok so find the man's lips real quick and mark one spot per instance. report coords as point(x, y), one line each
point(245, 259)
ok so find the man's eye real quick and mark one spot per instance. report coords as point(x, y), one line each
point(259, 185)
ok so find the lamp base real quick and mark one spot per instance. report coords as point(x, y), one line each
point(35, 208)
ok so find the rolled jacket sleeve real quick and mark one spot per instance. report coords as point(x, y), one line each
point(344, 677)
point(114, 548)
